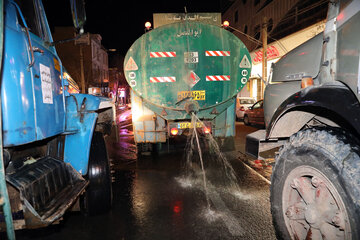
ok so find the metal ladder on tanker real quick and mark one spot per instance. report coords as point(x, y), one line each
point(4, 197)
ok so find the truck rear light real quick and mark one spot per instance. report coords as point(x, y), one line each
point(307, 81)
point(207, 130)
point(174, 131)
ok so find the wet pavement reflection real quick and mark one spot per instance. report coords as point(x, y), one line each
point(154, 199)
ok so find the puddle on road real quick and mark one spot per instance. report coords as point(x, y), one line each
point(211, 215)
point(185, 182)
point(241, 196)
point(208, 171)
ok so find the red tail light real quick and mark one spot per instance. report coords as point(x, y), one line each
point(174, 131)
point(207, 130)
point(242, 108)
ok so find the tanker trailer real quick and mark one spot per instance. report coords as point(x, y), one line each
point(180, 68)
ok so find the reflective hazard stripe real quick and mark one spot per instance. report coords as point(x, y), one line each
point(218, 78)
point(162, 79)
point(217, 53)
point(162, 54)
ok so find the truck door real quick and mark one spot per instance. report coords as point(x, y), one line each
point(16, 87)
point(45, 71)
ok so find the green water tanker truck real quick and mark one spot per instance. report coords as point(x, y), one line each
point(187, 64)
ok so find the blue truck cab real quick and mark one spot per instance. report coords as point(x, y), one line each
point(52, 140)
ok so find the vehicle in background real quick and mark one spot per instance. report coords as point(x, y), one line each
point(53, 155)
point(255, 114)
point(242, 104)
point(312, 111)
point(171, 83)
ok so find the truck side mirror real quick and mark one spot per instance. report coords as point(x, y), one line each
point(78, 14)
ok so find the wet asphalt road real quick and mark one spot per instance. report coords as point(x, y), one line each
point(155, 199)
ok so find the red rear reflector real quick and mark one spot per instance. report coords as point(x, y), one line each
point(174, 131)
point(207, 130)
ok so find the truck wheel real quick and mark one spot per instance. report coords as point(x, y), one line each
point(246, 120)
point(98, 196)
point(315, 187)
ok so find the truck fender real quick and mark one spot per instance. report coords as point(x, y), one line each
point(81, 118)
point(332, 104)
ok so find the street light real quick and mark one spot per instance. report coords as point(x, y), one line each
point(147, 26)
point(226, 24)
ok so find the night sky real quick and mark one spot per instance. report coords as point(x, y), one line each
point(119, 22)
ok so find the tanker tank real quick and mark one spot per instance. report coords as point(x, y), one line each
point(181, 68)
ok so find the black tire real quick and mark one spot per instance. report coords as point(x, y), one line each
point(246, 120)
point(98, 196)
point(314, 162)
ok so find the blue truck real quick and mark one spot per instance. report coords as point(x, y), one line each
point(53, 153)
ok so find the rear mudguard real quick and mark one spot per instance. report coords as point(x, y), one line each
point(81, 117)
point(333, 103)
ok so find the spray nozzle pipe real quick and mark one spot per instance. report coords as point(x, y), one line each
point(192, 106)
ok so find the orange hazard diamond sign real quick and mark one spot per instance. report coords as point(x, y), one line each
point(131, 65)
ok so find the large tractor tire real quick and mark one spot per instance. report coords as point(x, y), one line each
point(315, 186)
point(98, 196)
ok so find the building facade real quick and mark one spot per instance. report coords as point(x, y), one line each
point(283, 24)
point(84, 58)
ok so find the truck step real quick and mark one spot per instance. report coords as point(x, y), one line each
point(47, 188)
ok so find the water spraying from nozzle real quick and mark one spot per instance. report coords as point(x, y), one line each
point(193, 120)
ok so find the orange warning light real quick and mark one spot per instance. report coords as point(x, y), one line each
point(226, 24)
point(148, 25)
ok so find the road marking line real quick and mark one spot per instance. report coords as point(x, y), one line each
point(261, 176)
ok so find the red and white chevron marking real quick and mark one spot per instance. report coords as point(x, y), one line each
point(218, 78)
point(162, 54)
point(162, 79)
point(217, 53)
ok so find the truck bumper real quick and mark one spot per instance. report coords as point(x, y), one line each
point(256, 143)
